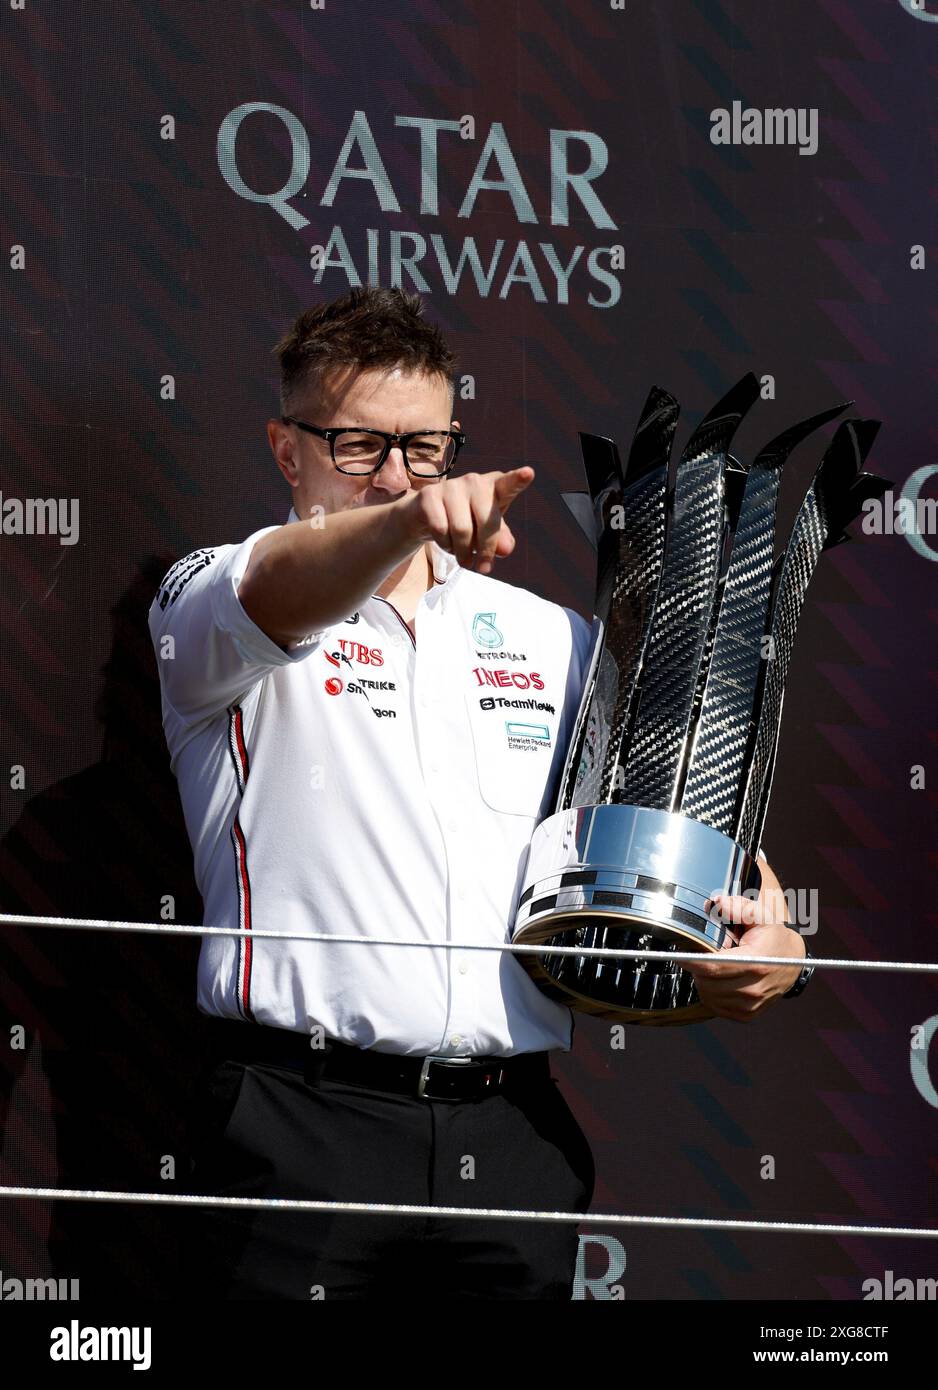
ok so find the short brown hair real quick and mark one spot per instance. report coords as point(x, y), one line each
point(370, 327)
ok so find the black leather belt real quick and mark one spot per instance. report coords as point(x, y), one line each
point(433, 1077)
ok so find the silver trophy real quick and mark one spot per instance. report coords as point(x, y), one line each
point(666, 783)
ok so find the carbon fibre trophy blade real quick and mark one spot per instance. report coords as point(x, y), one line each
point(736, 660)
point(652, 763)
point(827, 508)
point(666, 781)
point(630, 548)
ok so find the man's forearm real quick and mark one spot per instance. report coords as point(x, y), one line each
point(302, 577)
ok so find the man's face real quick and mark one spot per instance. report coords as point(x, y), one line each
point(397, 401)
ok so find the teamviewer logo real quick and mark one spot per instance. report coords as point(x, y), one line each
point(486, 702)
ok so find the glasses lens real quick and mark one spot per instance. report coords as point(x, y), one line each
point(357, 451)
point(429, 454)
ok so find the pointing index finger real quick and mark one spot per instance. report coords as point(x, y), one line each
point(512, 484)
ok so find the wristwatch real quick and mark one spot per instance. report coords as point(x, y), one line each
point(807, 970)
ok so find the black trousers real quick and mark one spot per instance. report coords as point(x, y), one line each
point(262, 1130)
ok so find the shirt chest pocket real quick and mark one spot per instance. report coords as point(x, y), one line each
point(514, 752)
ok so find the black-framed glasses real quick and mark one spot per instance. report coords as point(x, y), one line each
point(358, 452)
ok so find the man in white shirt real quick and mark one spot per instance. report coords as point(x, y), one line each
point(366, 726)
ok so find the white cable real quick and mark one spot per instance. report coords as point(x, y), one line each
point(698, 957)
point(73, 1194)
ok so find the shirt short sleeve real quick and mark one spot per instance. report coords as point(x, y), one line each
point(584, 635)
point(209, 651)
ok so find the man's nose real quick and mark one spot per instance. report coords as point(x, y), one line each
point(392, 475)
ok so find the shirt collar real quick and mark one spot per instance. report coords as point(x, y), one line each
point(445, 564)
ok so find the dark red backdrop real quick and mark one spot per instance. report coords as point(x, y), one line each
point(140, 262)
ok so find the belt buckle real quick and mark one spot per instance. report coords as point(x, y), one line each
point(450, 1062)
point(425, 1072)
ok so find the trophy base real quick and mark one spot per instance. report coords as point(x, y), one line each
point(650, 992)
point(626, 878)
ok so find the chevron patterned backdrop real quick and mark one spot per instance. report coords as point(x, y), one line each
point(142, 241)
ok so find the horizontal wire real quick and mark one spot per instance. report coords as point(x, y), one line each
point(704, 1223)
point(737, 957)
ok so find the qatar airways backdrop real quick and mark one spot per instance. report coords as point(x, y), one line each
point(593, 198)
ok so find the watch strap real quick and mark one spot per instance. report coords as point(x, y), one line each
point(807, 970)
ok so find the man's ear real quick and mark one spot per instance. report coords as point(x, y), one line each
point(278, 435)
point(455, 425)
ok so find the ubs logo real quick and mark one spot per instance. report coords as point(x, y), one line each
point(356, 651)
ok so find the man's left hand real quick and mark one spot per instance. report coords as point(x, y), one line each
point(740, 992)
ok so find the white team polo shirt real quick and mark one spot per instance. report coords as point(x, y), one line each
point(372, 785)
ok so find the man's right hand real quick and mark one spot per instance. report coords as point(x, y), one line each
point(465, 515)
